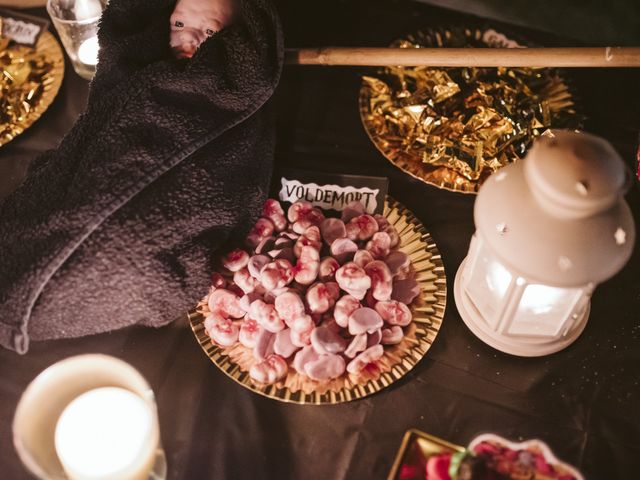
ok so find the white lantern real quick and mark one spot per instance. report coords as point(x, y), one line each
point(548, 229)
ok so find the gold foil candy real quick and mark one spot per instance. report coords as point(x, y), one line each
point(469, 120)
point(23, 76)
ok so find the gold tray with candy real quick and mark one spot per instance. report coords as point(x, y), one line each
point(453, 127)
point(30, 80)
point(427, 311)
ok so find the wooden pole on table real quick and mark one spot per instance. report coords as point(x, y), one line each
point(467, 57)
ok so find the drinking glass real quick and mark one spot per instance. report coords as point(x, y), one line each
point(77, 24)
point(53, 390)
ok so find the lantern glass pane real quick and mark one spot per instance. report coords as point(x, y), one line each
point(487, 285)
point(543, 310)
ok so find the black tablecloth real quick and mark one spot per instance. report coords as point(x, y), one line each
point(582, 401)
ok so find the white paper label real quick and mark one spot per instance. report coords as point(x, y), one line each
point(329, 197)
point(19, 31)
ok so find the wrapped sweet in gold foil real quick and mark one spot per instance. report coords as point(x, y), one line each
point(24, 74)
point(461, 124)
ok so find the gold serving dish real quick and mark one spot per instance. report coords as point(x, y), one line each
point(453, 127)
point(428, 311)
point(31, 79)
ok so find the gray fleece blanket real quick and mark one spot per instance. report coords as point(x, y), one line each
point(171, 160)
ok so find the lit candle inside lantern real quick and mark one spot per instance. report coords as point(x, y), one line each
point(88, 51)
point(107, 433)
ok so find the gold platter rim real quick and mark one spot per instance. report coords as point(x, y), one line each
point(425, 334)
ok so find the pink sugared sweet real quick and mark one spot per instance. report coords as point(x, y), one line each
point(352, 210)
point(244, 280)
point(344, 308)
point(303, 215)
point(361, 227)
point(374, 338)
point(332, 229)
point(325, 367)
point(358, 344)
point(394, 313)
point(380, 245)
point(328, 268)
point(274, 212)
point(262, 229)
point(329, 322)
point(221, 330)
point(256, 264)
point(264, 344)
point(289, 305)
point(303, 357)
point(382, 221)
point(364, 320)
point(309, 238)
point(235, 260)
point(265, 314)
point(283, 345)
point(394, 236)
point(249, 331)
point(226, 303)
point(381, 281)
point(270, 370)
point(353, 280)
point(276, 274)
point(392, 335)
point(343, 249)
point(306, 270)
point(302, 338)
point(301, 324)
point(398, 263)
point(362, 258)
point(324, 340)
point(370, 355)
point(322, 296)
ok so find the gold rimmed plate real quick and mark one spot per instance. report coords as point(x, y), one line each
point(49, 50)
point(452, 127)
point(427, 309)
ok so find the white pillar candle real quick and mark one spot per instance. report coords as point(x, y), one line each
point(88, 51)
point(107, 433)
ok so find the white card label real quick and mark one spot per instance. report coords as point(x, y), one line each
point(328, 197)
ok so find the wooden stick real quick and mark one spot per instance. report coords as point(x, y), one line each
point(468, 57)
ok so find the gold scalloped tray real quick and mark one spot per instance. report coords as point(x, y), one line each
point(50, 48)
point(409, 162)
point(428, 311)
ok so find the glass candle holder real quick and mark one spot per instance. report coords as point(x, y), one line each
point(58, 434)
point(77, 24)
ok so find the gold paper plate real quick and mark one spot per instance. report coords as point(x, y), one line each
point(49, 47)
point(428, 311)
point(410, 161)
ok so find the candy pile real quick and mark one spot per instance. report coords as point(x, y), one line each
point(24, 73)
point(470, 121)
point(490, 461)
point(319, 295)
